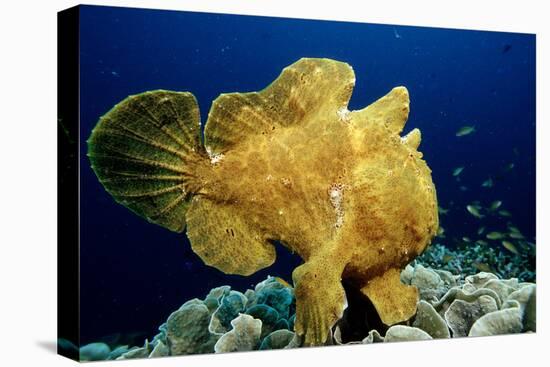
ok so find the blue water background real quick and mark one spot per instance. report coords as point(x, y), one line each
point(134, 274)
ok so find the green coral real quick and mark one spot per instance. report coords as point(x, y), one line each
point(227, 320)
point(244, 335)
point(470, 258)
point(187, 330)
point(278, 339)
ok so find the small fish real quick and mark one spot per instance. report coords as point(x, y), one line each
point(495, 235)
point(283, 282)
point(442, 210)
point(514, 229)
point(441, 232)
point(466, 239)
point(487, 183)
point(446, 258)
point(463, 188)
point(510, 247)
point(516, 235)
point(481, 230)
point(504, 213)
point(482, 242)
point(457, 171)
point(465, 130)
point(509, 167)
point(474, 211)
point(495, 205)
point(483, 267)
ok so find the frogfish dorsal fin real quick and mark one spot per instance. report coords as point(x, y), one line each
point(391, 111)
point(310, 90)
point(412, 139)
point(225, 239)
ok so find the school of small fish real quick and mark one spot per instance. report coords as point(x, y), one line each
point(511, 239)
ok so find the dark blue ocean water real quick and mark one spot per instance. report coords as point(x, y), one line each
point(134, 274)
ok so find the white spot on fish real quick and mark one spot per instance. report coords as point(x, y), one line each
point(343, 114)
point(216, 158)
point(336, 196)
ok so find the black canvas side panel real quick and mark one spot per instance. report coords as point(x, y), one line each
point(68, 183)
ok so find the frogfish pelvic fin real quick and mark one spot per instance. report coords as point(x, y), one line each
point(290, 163)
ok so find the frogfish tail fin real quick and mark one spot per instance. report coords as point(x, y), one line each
point(147, 153)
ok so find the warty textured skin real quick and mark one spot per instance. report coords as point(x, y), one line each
point(340, 188)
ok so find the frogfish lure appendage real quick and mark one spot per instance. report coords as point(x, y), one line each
point(342, 189)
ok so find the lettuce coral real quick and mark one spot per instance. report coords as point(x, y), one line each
point(244, 335)
point(481, 304)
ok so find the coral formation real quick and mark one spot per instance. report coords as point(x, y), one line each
point(261, 176)
point(469, 258)
point(278, 339)
point(402, 333)
point(187, 329)
point(244, 335)
point(373, 337)
point(461, 315)
point(479, 305)
point(94, 352)
point(232, 304)
point(507, 321)
point(430, 321)
point(257, 320)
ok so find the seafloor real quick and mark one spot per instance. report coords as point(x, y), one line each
point(501, 301)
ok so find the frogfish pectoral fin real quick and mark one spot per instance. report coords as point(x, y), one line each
point(225, 239)
point(394, 301)
point(320, 301)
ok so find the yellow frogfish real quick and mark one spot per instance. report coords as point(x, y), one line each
point(289, 164)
